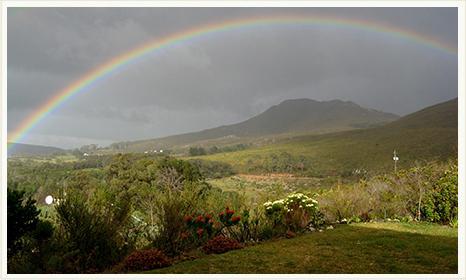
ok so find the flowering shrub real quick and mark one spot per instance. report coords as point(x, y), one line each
point(221, 244)
point(296, 212)
point(227, 219)
point(200, 226)
point(203, 227)
point(145, 260)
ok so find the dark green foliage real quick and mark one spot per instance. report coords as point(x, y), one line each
point(188, 171)
point(197, 151)
point(28, 237)
point(213, 169)
point(22, 218)
point(215, 149)
point(142, 260)
point(249, 227)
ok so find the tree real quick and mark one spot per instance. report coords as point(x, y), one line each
point(197, 151)
point(22, 218)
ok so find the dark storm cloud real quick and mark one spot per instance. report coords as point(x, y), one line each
point(218, 79)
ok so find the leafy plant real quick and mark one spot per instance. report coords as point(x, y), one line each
point(441, 202)
point(221, 244)
point(145, 260)
point(296, 212)
point(22, 218)
point(90, 234)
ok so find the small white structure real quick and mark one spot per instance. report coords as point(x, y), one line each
point(49, 199)
point(86, 154)
point(161, 151)
point(395, 158)
point(146, 152)
point(155, 151)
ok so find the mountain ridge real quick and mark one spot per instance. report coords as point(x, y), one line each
point(289, 116)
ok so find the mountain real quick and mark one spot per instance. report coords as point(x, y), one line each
point(290, 116)
point(19, 149)
point(426, 135)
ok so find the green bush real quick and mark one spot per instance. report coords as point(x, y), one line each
point(441, 202)
point(89, 234)
point(22, 218)
point(213, 169)
point(426, 192)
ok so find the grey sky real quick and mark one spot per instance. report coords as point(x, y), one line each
point(219, 79)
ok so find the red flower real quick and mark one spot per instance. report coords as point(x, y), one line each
point(221, 214)
point(230, 212)
point(188, 219)
point(200, 231)
point(200, 219)
point(208, 216)
point(235, 219)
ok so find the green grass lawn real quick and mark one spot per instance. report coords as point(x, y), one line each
point(355, 248)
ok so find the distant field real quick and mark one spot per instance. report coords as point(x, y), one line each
point(355, 248)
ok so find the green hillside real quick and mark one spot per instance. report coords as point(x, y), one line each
point(428, 134)
point(19, 149)
point(290, 116)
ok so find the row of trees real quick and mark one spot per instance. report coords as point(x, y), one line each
point(200, 151)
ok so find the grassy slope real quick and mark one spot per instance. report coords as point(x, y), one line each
point(425, 135)
point(356, 248)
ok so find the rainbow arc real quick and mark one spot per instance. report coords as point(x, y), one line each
point(106, 69)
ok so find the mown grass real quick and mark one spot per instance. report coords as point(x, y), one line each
point(355, 248)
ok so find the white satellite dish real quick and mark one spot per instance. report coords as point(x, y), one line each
point(49, 199)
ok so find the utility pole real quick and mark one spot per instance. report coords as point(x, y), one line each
point(395, 158)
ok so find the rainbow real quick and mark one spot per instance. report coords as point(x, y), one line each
point(99, 73)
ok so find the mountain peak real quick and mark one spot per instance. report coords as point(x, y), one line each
point(301, 115)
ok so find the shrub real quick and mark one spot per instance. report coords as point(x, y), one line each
point(424, 192)
point(171, 207)
point(22, 218)
point(441, 202)
point(145, 260)
point(221, 244)
point(90, 235)
point(203, 227)
point(213, 169)
point(296, 212)
point(200, 225)
point(249, 226)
